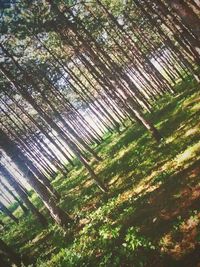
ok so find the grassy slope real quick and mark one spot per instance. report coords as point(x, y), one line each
point(151, 216)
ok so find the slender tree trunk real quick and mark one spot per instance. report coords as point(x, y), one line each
point(25, 210)
point(20, 160)
point(12, 256)
point(13, 183)
point(7, 212)
point(54, 126)
point(187, 15)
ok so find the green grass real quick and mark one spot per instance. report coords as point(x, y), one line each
point(151, 215)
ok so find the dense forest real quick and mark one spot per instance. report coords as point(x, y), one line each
point(100, 133)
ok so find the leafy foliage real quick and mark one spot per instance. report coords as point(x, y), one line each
point(152, 204)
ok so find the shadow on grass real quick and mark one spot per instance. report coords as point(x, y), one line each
point(146, 191)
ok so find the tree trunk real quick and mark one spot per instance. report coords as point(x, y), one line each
point(49, 120)
point(12, 256)
point(25, 210)
point(21, 160)
point(7, 212)
point(13, 183)
point(187, 15)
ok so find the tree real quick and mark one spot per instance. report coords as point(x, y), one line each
point(13, 183)
point(8, 252)
point(7, 212)
point(187, 16)
point(21, 162)
point(7, 189)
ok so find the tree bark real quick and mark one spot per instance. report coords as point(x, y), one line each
point(25, 210)
point(20, 160)
point(13, 183)
point(7, 212)
point(13, 256)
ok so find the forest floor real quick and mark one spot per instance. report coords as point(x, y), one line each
point(151, 215)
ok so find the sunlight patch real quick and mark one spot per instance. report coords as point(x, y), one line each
point(188, 154)
point(193, 131)
point(170, 139)
point(196, 107)
point(192, 100)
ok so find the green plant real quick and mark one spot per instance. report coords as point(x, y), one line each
point(133, 240)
